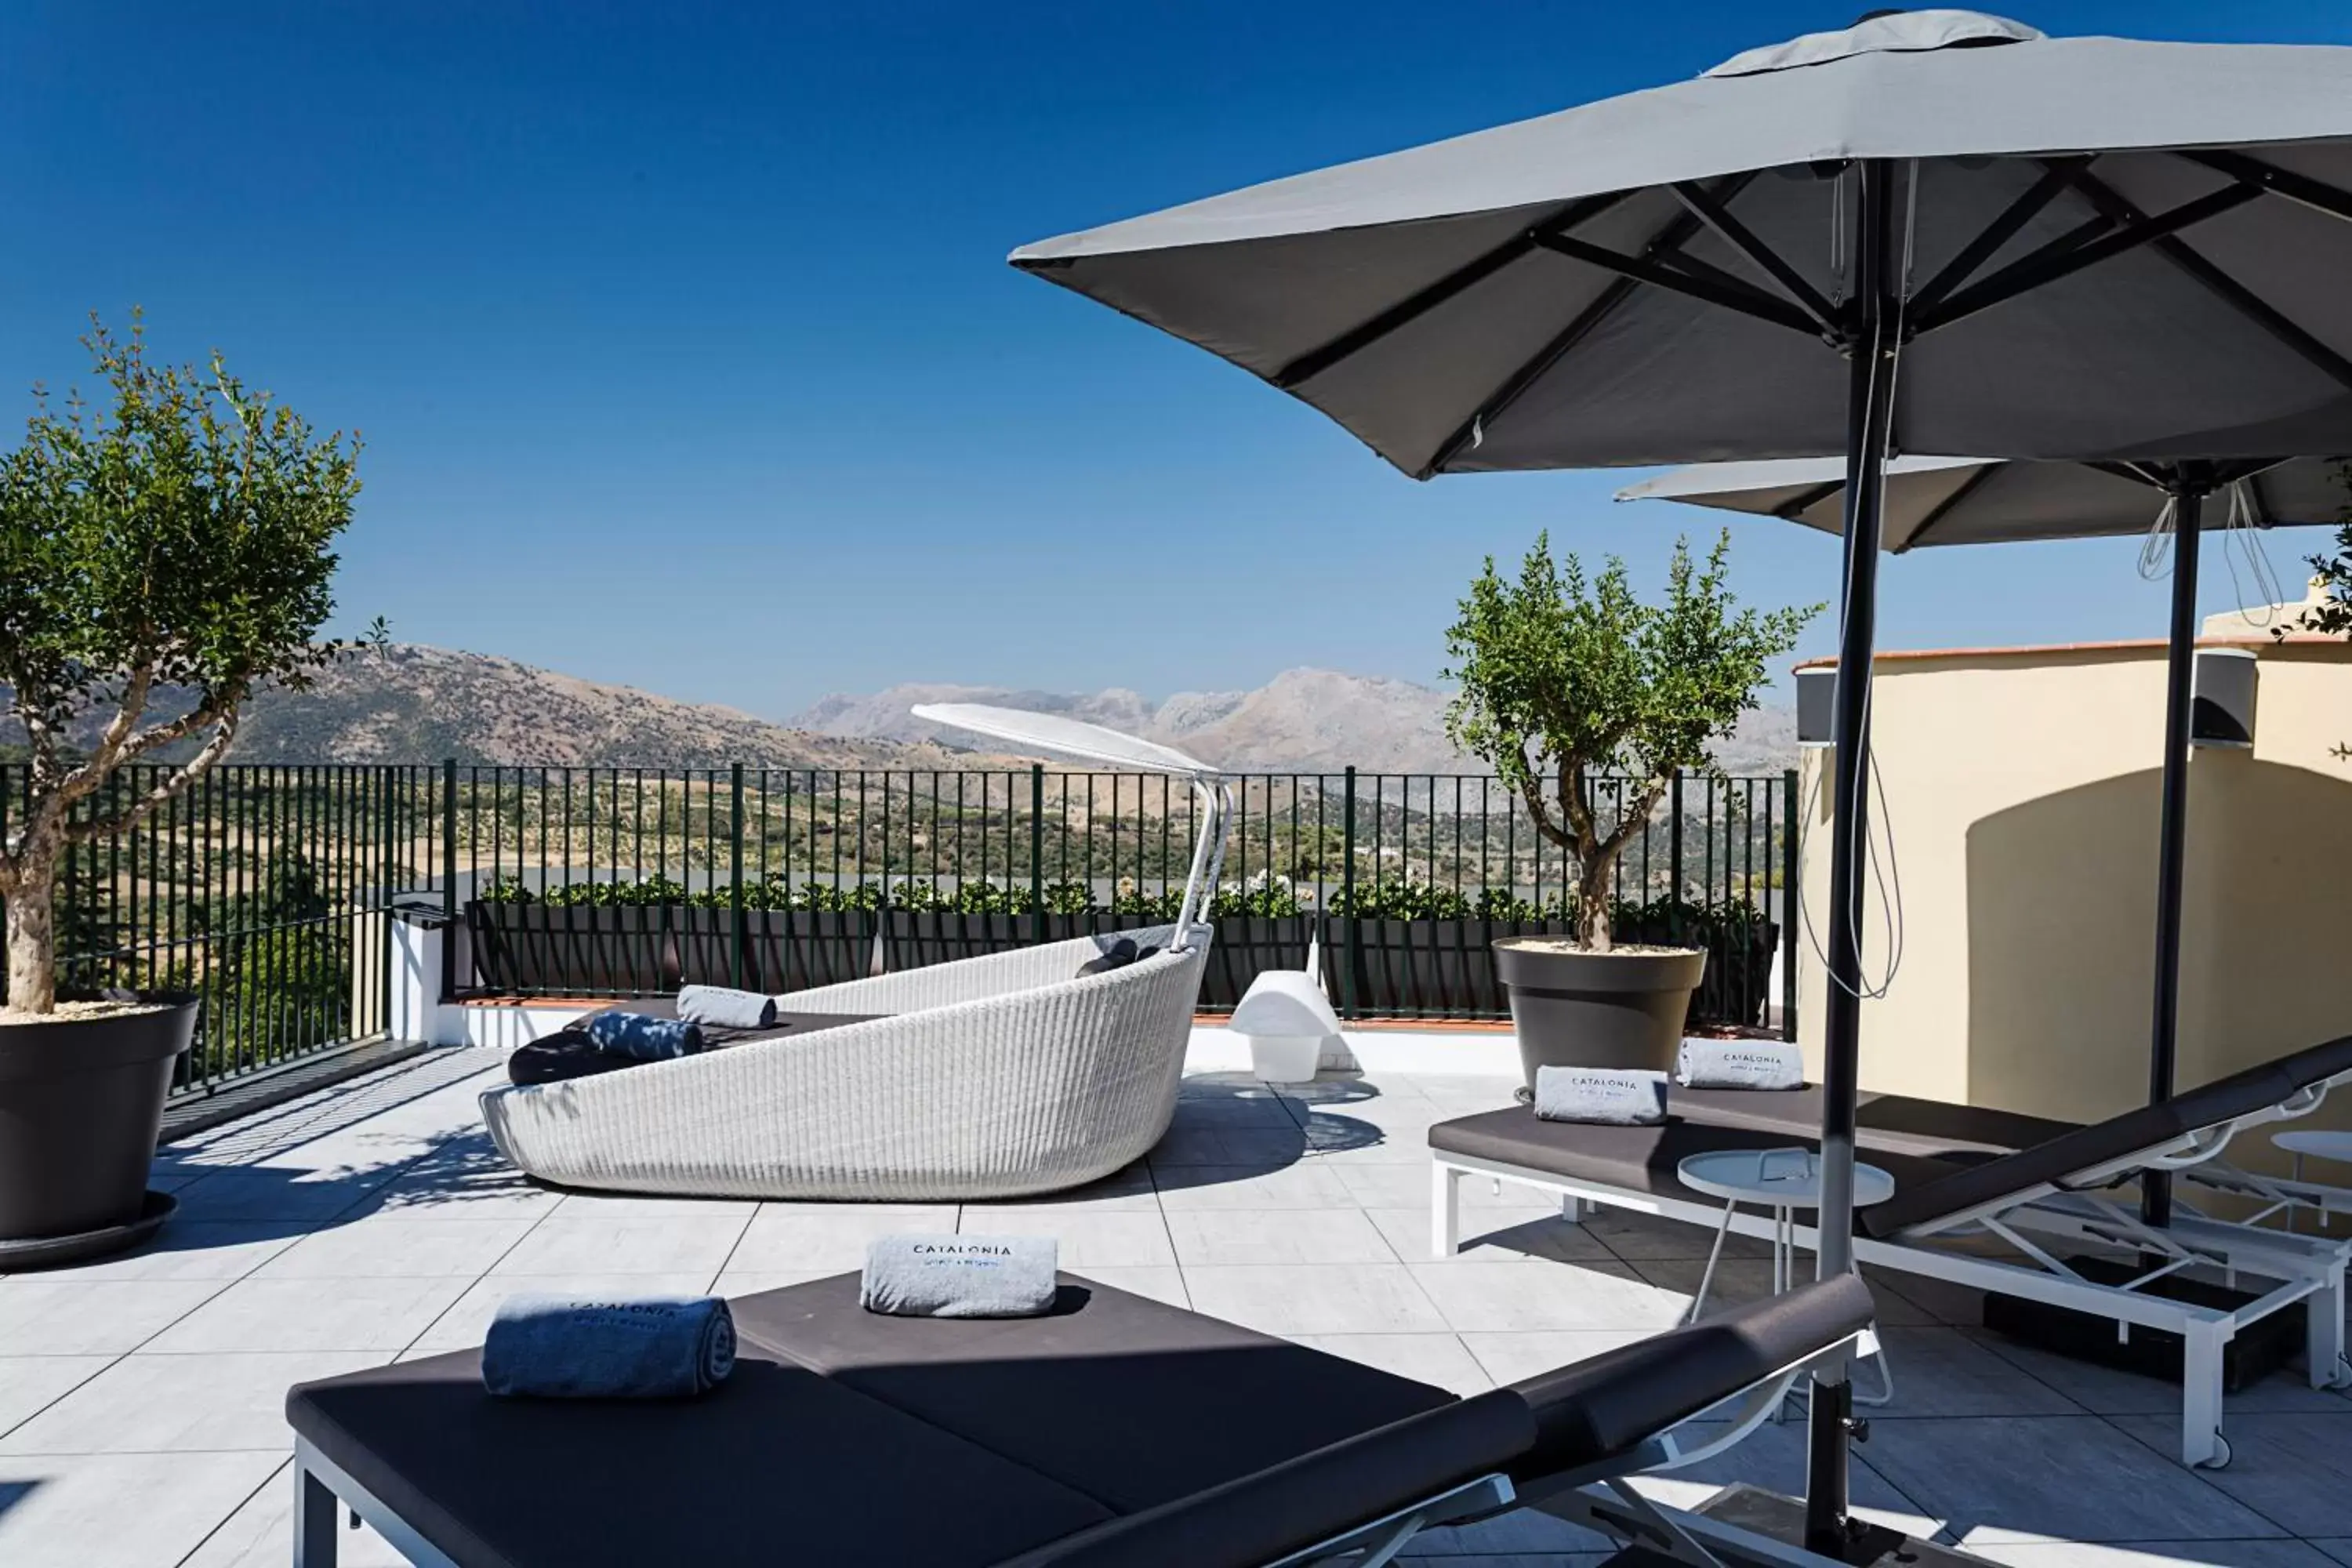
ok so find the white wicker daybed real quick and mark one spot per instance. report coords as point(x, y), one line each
point(993, 1077)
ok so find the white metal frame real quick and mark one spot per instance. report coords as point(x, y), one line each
point(2302, 1268)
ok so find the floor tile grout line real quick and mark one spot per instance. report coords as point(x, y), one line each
point(113, 1359)
point(479, 1275)
point(2224, 1494)
point(273, 1479)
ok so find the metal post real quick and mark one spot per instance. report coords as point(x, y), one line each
point(1870, 387)
point(2179, 689)
point(1674, 855)
point(1348, 898)
point(449, 878)
point(1038, 853)
point(735, 872)
point(1791, 856)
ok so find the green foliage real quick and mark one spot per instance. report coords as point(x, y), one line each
point(184, 532)
point(277, 972)
point(976, 897)
point(180, 533)
point(1564, 679)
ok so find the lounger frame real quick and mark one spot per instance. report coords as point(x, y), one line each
point(2304, 1269)
point(1599, 1495)
point(320, 1484)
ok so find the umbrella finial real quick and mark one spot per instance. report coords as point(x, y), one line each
point(1892, 31)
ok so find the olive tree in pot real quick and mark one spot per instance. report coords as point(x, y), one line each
point(1565, 682)
point(163, 551)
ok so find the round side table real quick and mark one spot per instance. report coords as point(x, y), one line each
point(1784, 1181)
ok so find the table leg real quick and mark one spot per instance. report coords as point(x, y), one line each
point(1713, 1255)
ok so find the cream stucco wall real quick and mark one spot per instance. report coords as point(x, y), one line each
point(2022, 788)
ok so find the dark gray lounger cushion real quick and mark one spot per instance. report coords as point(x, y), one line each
point(776, 1465)
point(1288, 1506)
point(1609, 1403)
point(785, 1463)
point(1633, 1159)
point(2147, 1127)
point(1890, 1123)
point(1128, 1400)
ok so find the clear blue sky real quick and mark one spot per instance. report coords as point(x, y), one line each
point(686, 353)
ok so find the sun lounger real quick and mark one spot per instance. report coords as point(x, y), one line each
point(1000, 1076)
point(1942, 1201)
point(1112, 1433)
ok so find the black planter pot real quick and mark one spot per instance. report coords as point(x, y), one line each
point(1618, 1009)
point(81, 1101)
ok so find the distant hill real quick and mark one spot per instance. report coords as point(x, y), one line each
point(1303, 719)
point(412, 703)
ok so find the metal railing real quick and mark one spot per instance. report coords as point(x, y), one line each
point(592, 881)
point(268, 890)
point(263, 889)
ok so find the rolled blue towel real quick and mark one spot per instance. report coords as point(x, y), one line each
point(1618, 1097)
point(591, 1347)
point(643, 1038)
point(1742, 1064)
point(960, 1276)
point(724, 1009)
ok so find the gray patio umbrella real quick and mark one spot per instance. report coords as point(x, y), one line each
point(2069, 247)
point(1939, 502)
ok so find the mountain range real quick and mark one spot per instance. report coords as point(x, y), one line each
point(409, 702)
point(1303, 719)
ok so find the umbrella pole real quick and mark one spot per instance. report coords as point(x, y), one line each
point(2179, 689)
point(1869, 389)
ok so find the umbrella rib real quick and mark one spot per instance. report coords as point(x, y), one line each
point(1804, 501)
point(1602, 307)
point(1945, 508)
point(2228, 290)
point(2067, 256)
point(1364, 334)
point(2300, 189)
point(1669, 238)
point(1741, 238)
point(1721, 289)
point(2055, 180)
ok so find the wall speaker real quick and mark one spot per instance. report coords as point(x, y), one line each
point(2222, 711)
point(1817, 706)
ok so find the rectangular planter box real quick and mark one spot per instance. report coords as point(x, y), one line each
point(1402, 968)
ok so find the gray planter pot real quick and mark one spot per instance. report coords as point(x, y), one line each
point(1619, 1009)
point(81, 1101)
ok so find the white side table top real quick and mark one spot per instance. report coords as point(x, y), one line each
point(1780, 1178)
point(2317, 1141)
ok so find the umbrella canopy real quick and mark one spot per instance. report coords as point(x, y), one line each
point(2110, 247)
point(1983, 501)
point(1067, 737)
point(1095, 743)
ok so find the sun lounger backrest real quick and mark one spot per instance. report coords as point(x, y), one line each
point(2108, 1146)
point(1271, 1513)
point(1562, 1421)
point(1612, 1403)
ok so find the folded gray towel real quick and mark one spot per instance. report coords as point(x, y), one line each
point(1620, 1096)
point(960, 1276)
point(721, 1008)
point(592, 1347)
point(1742, 1064)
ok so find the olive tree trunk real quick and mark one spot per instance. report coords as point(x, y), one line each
point(33, 937)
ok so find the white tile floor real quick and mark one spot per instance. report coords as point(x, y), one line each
point(139, 1397)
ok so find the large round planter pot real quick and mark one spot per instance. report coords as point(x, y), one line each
point(82, 1100)
point(1574, 1008)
